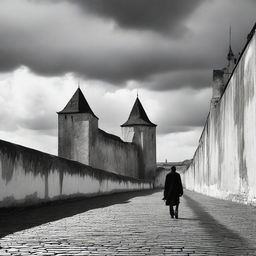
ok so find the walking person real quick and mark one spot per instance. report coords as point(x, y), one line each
point(173, 190)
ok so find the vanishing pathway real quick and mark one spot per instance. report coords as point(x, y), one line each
point(131, 224)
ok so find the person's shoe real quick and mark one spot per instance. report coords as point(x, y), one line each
point(172, 216)
point(176, 215)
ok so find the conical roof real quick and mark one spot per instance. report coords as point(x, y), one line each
point(138, 116)
point(77, 104)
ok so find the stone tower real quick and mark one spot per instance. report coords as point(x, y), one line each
point(221, 76)
point(142, 132)
point(76, 127)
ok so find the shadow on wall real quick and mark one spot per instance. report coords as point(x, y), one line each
point(223, 236)
point(20, 218)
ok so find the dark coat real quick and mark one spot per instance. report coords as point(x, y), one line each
point(173, 188)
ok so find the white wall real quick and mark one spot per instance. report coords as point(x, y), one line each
point(30, 177)
point(224, 164)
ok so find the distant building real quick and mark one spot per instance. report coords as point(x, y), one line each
point(80, 139)
point(221, 76)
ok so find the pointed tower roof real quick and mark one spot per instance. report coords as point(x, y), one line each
point(230, 55)
point(77, 104)
point(138, 116)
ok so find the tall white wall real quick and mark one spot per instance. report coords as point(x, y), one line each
point(30, 177)
point(224, 164)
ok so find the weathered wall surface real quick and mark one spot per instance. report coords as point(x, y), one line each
point(81, 140)
point(145, 138)
point(224, 164)
point(29, 177)
point(148, 145)
point(74, 134)
point(109, 152)
point(161, 173)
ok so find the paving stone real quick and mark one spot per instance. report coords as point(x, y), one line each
point(142, 226)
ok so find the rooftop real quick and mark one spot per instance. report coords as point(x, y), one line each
point(138, 116)
point(77, 104)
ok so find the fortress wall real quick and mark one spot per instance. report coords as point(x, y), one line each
point(29, 177)
point(110, 153)
point(161, 173)
point(224, 164)
point(160, 177)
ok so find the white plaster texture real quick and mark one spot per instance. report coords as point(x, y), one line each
point(30, 177)
point(224, 162)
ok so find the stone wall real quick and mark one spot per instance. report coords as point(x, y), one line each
point(80, 139)
point(110, 153)
point(75, 134)
point(164, 168)
point(225, 161)
point(30, 177)
point(144, 137)
point(148, 150)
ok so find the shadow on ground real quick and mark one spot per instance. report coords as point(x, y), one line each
point(221, 234)
point(20, 218)
point(192, 219)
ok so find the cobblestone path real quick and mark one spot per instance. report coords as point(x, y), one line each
point(142, 226)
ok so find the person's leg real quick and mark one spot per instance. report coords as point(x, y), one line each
point(176, 211)
point(171, 211)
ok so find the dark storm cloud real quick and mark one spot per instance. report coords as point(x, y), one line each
point(183, 110)
point(183, 118)
point(113, 62)
point(56, 37)
point(196, 79)
point(163, 16)
point(53, 38)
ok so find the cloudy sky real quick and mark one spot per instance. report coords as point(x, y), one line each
point(165, 49)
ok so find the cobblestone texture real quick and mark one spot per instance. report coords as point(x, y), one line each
point(142, 226)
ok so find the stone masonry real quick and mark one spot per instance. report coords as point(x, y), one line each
point(134, 224)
